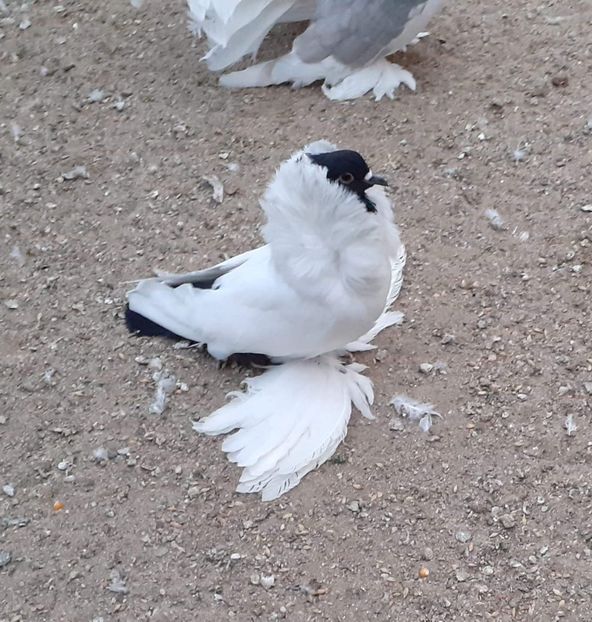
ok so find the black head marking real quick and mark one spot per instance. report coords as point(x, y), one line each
point(349, 169)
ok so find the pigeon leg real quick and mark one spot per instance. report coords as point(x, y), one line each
point(245, 360)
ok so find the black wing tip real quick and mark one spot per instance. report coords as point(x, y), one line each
point(141, 326)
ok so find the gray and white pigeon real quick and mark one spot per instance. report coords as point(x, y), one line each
point(322, 285)
point(345, 45)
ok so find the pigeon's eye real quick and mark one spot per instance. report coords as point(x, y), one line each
point(346, 178)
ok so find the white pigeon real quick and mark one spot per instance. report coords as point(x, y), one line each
point(345, 45)
point(322, 285)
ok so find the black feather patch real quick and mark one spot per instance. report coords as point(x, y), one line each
point(144, 327)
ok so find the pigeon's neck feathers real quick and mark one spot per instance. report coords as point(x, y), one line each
point(322, 237)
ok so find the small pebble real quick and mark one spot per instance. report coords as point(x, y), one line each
point(462, 536)
point(5, 558)
point(381, 355)
point(495, 220)
point(267, 582)
point(63, 465)
point(508, 521)
point(560, 80)
point(586, 208)
point(78, 172)
point(217, 187)
point(427, 554)
point(570, 425)
point(58, 506)
point(396, 425)
point(426, 368)
point(8, 490)
point(193, 492)
point(354, 506)
point(424, 572)
point(154, 363)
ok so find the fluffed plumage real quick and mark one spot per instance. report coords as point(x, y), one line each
point(345, 45)
point(330, 271)
point(321, 281)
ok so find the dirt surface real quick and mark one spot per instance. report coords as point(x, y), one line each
point(496, 501)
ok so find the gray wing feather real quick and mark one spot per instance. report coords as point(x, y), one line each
point(354, 32)
point(209, 274)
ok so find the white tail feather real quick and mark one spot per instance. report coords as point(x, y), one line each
point(290, 420)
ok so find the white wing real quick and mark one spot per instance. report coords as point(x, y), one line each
point(250, 309)
point(289, 421)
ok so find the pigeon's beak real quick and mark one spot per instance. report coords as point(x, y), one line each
point(377, 181)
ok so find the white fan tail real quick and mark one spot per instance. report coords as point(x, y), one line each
point(289, 421)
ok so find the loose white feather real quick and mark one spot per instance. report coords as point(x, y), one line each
point(414, 410)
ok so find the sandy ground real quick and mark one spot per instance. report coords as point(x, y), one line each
point(496, 501)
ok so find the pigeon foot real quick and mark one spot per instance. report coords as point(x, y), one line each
point(382, 78)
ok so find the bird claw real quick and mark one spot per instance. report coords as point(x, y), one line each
point(245, 360)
